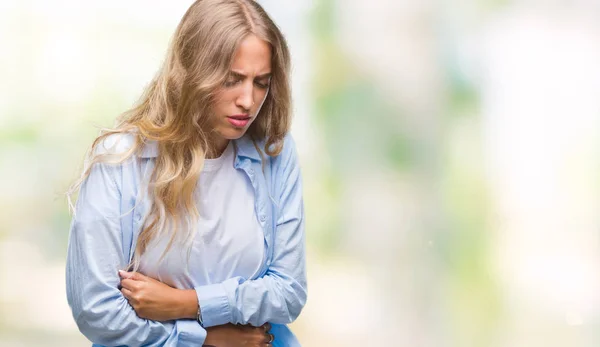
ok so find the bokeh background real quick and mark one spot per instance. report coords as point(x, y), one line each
point(450, 152)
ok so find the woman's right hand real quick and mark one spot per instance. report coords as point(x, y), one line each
point(230, 335)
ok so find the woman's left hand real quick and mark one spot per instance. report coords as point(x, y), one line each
point(152, 299)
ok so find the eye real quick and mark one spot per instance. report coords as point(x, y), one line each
point(231, 81)
point(262, 85)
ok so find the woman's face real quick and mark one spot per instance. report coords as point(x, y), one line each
point(238, 101)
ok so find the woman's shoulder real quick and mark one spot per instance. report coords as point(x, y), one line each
point(117, 143)
point(287, 159)
point(288, 150)
point(289, 145)
point(122, 143)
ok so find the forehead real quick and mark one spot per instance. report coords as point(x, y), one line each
point(252, 57)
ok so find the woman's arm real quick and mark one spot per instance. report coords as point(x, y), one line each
point(155, 300)
point(278, 296)
point(152, 299)
point(94, 256)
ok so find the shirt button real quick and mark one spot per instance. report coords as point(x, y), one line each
point(263, 218)
point(251, 172)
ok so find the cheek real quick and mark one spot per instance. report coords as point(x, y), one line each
point(217, 108)
point(221, 103)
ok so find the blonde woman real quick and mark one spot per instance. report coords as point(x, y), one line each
point(189, 224)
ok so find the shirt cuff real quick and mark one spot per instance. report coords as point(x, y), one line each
point(214, 302)
point(190, 333)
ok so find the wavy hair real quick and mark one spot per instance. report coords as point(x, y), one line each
point(175, 107)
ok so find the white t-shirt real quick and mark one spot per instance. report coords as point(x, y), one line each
point(229, 241)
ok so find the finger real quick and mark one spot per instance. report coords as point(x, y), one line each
point(269, 338)
point(124, 274)
point(127, 293)
point(136, 276)
point(129, 284)
point(267, 326)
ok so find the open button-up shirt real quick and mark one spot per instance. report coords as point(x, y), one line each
point(109, 214)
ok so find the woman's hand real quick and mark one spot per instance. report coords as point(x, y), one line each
point(230, 335)
point(152, 299)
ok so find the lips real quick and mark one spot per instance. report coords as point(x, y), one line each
point(240, 117)
point(239, 121)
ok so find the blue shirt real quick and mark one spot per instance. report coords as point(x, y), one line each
point(109, 215)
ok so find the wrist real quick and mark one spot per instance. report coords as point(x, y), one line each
point(188, 304)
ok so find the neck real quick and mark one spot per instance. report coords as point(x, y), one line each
point(217, 149)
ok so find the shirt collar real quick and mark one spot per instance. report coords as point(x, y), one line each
point(244, 147)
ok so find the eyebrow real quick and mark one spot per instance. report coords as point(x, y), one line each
point(241, 75)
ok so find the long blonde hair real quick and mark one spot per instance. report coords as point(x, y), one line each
point(175, 107)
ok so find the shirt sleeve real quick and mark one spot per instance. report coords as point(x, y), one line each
point(279, 296)
point(94, 256)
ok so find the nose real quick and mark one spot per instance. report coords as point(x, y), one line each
point(245, 99)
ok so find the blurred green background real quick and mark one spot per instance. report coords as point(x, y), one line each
point(450, 153)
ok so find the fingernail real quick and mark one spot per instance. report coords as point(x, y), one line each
point(121, 272)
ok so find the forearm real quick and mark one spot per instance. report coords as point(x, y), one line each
point(186, 304)
point(267, 299)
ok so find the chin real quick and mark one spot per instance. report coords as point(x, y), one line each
point(233, 134)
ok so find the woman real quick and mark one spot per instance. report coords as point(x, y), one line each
point(189, 225)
